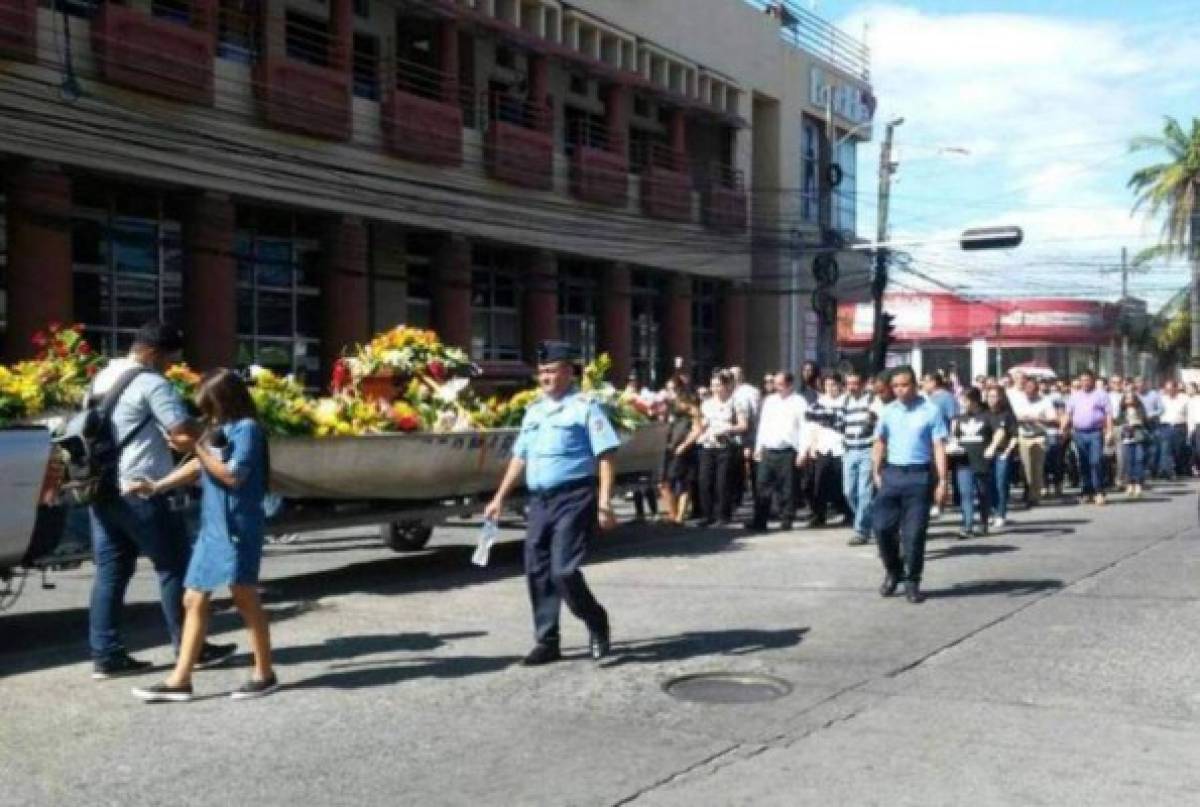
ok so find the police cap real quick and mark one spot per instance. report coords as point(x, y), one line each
point(551, 352)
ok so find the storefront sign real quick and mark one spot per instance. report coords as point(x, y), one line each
point(849, 101)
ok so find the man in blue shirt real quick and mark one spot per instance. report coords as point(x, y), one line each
point(910, 442)
point(566, 440)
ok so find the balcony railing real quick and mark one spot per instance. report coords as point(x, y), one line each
point(163, 55)
point(519, 144)
point(423, 114)
point(308, 88)
point(666, 183)
point(806, 31)
point(599, 165)
point(18, 29)
point(723, 200)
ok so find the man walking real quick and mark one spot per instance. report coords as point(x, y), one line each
point(148, 420)
point(778, 451)
point(1152, 402)
point(1172, 437)
point(1034, 415)
point(908, 462)
point(565, 441)
point(857, 422)
point(1088, 421)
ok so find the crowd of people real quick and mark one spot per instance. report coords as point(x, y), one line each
point(805, 444)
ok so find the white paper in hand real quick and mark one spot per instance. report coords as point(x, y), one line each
point(487, 537)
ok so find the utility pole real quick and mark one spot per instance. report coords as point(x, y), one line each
point(880, 280)
point(1124, 311)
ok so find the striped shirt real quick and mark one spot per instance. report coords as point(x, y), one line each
point(856, 419)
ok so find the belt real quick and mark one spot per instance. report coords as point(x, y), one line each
point(565, 487)
point(1088, 431)
point(919, 466)
point(781, 450)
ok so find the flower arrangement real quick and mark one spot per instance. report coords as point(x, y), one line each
point(184, 379)
point(282, 405)
point(56, 378)
point(409, 352)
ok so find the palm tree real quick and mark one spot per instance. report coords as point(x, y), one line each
point(1173, 187)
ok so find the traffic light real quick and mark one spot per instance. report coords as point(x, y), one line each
point(991, 238)
point(885, 333)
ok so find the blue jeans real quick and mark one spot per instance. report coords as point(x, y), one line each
point(1091, 461)
point(122, 529)
point(857, 487)
point(971, 483)
point(1135, 462)
point(1001, 482)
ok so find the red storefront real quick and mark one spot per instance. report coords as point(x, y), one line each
point(986, 337)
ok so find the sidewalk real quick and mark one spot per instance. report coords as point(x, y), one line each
point(1055, 662)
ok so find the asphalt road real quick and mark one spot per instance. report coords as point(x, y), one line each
point(1054, 663)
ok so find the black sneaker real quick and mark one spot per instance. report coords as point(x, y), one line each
point(163, 693)
point(118, 666)
point(541, 654)
point(213, 655)
point(858, 539)
point(255, 689)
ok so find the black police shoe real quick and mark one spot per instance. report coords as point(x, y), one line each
point(118, 666)
point(890, 582)
point(541, 654)
point(912, 592)
point(599, 643)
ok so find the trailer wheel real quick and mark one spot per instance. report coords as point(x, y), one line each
point(406, 536)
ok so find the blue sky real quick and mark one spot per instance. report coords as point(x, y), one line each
point(1045, 96)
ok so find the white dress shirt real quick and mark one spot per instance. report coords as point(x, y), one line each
point(1175, 410)
point(781, 423)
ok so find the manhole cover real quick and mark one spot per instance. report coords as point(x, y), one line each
point(721, 687)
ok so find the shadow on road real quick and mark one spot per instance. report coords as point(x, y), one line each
point(344, 648)
point(739, 642)
point(968, 549)
point(361, 677)
point(1013, 588)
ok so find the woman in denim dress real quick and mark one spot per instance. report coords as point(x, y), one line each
point(231, 465)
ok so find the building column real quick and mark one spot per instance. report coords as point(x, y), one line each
point(678, 135)
point(917, 360)
point(341, 29)
point(204, 16)
point(448, 41)
point(678, 320)
point(539, 85)
point(452, 292)
point(210, 283)
point(40, 286)
point(616, 107)
point(539, 303)
point(616, 320)
point(345, 319)
point(732, 319)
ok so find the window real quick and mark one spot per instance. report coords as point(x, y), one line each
point(366, 66)
point(578, 295)
point(495, 320)
point(583, 128)
point(846, 193)
point(418, 265)
point(307, 39)
point(578, 85)
point(641, 107)
point(237, 31)
point(174, 10)
point(418, 58)
point(506, 58)
point(646, 146)
point(647, 318)
point(810, 166)
point(127, 256)
point(362, 9)
point(706, 336)
point(278, 298)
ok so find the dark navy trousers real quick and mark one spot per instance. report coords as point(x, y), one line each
point(901, 513)
point(559, 528)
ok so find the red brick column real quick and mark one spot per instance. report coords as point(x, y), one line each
point(210, 283)
point(341, 27)
point(345, 314)
point(539, 303)
point(616, 315)
point(678, 135)
point(452, 291)
point(539, 87)
point(616, 106)
point(204, 16)
point(678, 320)
point(448, 40)
point(40, 288)
point(732, 322)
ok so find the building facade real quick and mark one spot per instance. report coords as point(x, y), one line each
point(988, 337)
point(285, 177)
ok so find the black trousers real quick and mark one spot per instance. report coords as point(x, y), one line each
point(901, 512)
point(556, 538)
point(827, 487)
point(716, 482)
point(775, 487)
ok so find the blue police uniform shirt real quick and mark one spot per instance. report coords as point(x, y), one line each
point(561, 439)
point(944, 400)
point(909, 431)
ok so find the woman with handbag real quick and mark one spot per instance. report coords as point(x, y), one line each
point(231, 464)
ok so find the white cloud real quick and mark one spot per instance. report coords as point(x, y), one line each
point(1046, 106)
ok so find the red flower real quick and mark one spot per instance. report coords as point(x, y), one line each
point(341, 376)
point(77, 327)
point(61, 351)
point(54, 327)
point(407, 423)
point(39, 340)
point(91, 370)
point(437, 370)
point(84, 349)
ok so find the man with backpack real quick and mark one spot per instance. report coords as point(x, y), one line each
point(147, 419)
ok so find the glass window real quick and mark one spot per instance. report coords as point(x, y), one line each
point(127, 257)
point(495, 320)
point(706, 347)
point(810, 159)
point(647, 321)
point(307, 39)
point(578, 295)
point(846, 193)
point(366, 66)
point(237, 32)
point(278, 302)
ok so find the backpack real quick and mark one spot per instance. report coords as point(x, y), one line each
point(88, 448)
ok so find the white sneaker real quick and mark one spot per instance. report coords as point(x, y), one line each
point(999, 522)
point(935, 512)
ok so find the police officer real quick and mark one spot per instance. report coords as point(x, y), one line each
point(566, 441)
point(910, 446)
